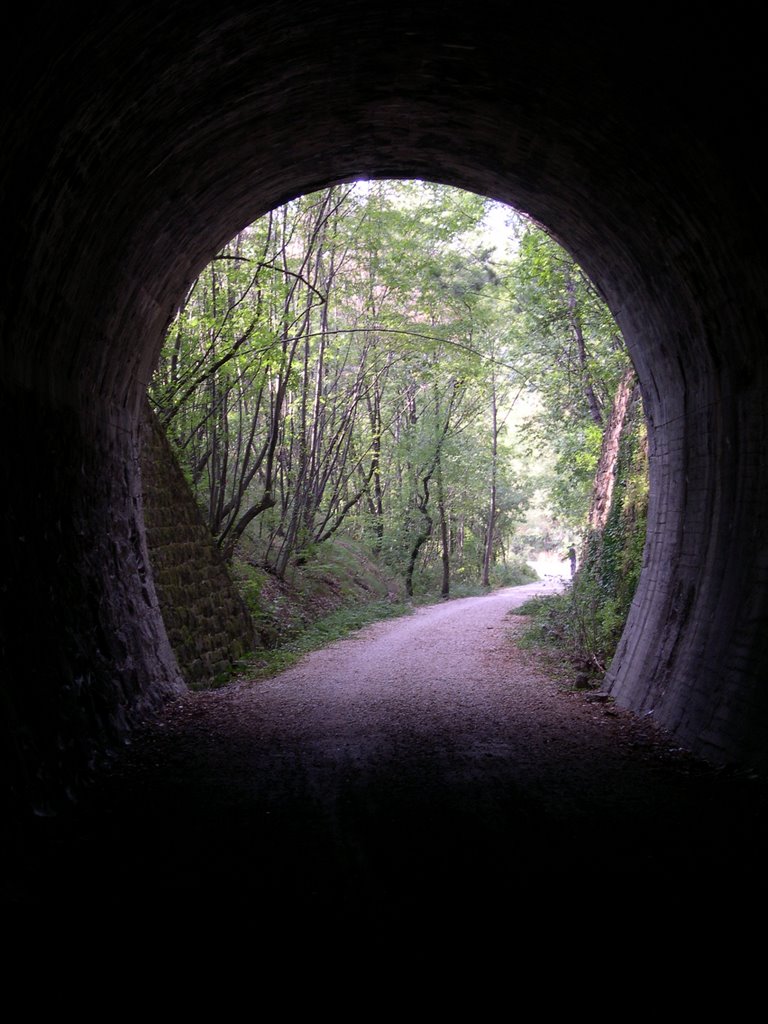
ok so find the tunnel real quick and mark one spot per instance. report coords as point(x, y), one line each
point(137, 139)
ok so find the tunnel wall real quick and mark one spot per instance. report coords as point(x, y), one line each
point(137, 139)
point(694, 654)
point(81, 629)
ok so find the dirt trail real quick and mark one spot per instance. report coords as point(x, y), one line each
point(422, 762)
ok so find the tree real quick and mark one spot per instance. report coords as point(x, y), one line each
point(570, 352)
point(350, 363)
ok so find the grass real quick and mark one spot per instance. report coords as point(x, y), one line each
point(338, 624)
point(338, 590)
point(323, 631)
point(547, 614)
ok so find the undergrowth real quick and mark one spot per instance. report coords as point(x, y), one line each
point(320, 633)
point(512, 573)
point(556, 628)
point(585, 623)
point(338, 589)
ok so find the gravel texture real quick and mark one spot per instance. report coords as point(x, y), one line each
point(424, 765)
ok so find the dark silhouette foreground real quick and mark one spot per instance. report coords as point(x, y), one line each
point(423, 766)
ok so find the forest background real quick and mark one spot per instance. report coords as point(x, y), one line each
point(410, 386)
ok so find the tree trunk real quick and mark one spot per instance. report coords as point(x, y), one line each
point(445, 588)
point(578, 334)
point(488, 553)
point(418, 544)
point(377, 500)
point(605, 475)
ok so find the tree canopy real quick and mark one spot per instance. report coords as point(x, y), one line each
point(358, 360)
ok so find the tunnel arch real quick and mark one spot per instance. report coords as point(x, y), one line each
point(138, 141)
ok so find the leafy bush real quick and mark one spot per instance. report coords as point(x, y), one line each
point(586, 622)
point(512, 573)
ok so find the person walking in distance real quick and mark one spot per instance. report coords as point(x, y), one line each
point(571, 557)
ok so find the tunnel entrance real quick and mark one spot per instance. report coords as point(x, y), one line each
point(389, 391)
point(115, 197)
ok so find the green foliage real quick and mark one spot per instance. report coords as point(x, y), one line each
point(324, 363)
point(571, 354)
point(349, 368)
point(607, 581)
point(513, 573)
point(586, 622)
point(266, 607)
point(320, 633)
point(550, 621)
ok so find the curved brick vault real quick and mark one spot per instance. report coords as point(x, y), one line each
point(136, 142)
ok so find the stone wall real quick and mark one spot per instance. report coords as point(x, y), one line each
point(208, 624)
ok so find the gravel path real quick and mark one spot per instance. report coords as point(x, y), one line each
point(424, 762)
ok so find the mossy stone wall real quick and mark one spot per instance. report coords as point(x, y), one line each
point(208, 624)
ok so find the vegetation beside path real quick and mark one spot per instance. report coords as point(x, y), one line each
point(391, 392)
point(341, 590)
